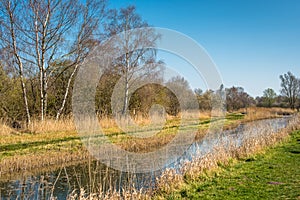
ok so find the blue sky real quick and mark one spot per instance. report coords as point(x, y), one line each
point(252, 42)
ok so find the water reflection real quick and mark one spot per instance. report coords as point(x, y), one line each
point(93, 176)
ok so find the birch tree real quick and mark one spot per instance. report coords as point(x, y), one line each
point(11, 40)
point(48, 21)
point(49, 34)
point(90, 19)
point(137, 61)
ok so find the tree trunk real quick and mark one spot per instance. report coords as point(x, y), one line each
point(41, 95)
point(125, 105)
point(24, 93)
point(18, 60)
point(66, 93)
point(126, 89)
point(45, 91)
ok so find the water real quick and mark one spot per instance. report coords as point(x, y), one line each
point(96, 177)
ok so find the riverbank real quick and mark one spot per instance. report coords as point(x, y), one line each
point(207, 172)
point(47, 145)
point(268, 172)
point(247, 139)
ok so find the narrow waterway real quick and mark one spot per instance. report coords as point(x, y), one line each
point(96, 177)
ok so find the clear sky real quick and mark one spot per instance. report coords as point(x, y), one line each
point(252, 42)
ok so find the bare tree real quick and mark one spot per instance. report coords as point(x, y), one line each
point(50, 34)
point(11, 40)
point(237, 98)
point(91, 15)
point(290, 87)
point(48, 22)
point(185, 97)
point(138, 60)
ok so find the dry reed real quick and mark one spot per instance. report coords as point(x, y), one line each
point(222, 155)
point(258, 113)
point(67, 123)
point(51, 130)
point(5, 129)
point(170, 180)
point(39, 161)
point(132, 194)
point(51, 125)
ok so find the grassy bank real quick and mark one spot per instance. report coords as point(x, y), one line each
point(272, 174)
point(52, 143)
point(263, 167)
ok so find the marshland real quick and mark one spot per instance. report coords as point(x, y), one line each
point(50, 163)
point(98, 103)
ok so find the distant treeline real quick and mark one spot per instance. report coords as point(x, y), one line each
point(141, 100)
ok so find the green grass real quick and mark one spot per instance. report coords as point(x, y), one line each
point(19, 146)
point(274, 174)
point(235, 116)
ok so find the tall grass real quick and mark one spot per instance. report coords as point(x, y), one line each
point(51, 125)
point(111, 195)
point(106, 122)
point(39, 161)
point(68, 150)
point(223, 154)
point(58, 138)
point(5, 129)
point(257, 113)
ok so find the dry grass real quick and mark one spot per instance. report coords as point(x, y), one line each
point(113, 195)
point(68, 146)
point(222, 156)
point(109, 124)
point(197, 114)
point(51, 125)
point(5, 130)
point(257, 113)
point(39, 161)
point(171, 180)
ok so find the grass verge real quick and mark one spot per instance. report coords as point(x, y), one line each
point(273, 174)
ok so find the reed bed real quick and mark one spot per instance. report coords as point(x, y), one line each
point(63, 137)
point(113, 195)
point(222, 155)
point(255, 141)
point(51, 125)
point(38, 161)
point(66, 124)
point(5, 129)
point(64, 130)
point(258, 113)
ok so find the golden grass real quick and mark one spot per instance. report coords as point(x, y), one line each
point(192, 170)
point(170, 180)
point(257, 113)
point(5, 130)
point(41, 160)
point(51, 125)
point(111, 195)
point(64, 132)
point(109, 123)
